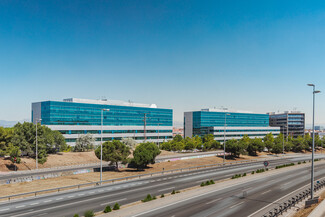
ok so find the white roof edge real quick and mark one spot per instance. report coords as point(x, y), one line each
point(109, 102)
point(228, 110)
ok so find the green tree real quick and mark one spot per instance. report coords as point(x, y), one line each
point(255, 146)
point(24, 137)
point(114, 152)
point(233, 147)
point(177, 138)
point(269, 141)
point(277, 148)
point(166, 146)
point(84, 143)
point(14, 152)
point(145, 154)
point(5, 139)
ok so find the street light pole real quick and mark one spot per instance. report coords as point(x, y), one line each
point(313, 147)
point(224, 138)
point(37, 120)
point(101, 145)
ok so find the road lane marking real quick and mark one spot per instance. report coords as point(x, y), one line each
point(71, 196)
point(214, 201)
point(78, 202)
point(299, 189)
point(236, 205)
point(111, 202)
point(59, 198)
point(32, 204)
point(266, 192)
point(4, 209)
point(20, 206)
point(47, 201)
point(166, 189)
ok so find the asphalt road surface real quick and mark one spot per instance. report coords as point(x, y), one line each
point(96, 198)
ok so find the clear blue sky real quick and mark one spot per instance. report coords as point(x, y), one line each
point(185, 55)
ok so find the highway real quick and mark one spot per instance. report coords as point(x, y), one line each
point(96, 198)
point(94, 166)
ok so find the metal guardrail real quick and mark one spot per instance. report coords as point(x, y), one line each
point(283, 207)
point(97, 184)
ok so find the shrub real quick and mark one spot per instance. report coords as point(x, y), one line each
point(178, 192)
point(173, 192)
point(244, 174)
point(116, 206)
point(107, 209)
point(253, 172)
point(212, 182)
point(89, 213)
point(304, 162)
point(162, 196)
point(207, 182)
point(202, 184)
point(148, 198)
point(299, 162)
point(76, 215)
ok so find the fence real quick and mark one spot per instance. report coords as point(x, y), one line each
point(283, 207)
point(112, 181)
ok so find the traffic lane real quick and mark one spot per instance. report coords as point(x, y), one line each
point(230, 202)
point(176, 182)
point(180, 185)
point(196, 175)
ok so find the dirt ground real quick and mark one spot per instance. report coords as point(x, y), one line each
point(53, 160)
point(92, 177)
point(57, 160)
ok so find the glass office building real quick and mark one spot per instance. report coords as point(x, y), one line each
point(74, 117)
point(232, 124)
point(291, 123)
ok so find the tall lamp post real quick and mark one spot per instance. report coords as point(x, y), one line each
point(37, 120)
point(101, 145)
point(224, 138)
point(313, 147)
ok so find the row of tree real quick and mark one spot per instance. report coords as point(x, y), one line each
point(116, 151)
point(21, 140)
point(205, 143)
point(245, 145)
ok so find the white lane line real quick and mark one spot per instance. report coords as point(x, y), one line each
point(299, 189)
point(4, 209)
point(166, 189)
point(71, 196)
point(32, 204)
point(236, 205)
point(81, 194)
point(78, 202)
point(266, 192)
point(287, 183)
point(111, 202)
point(92, 192)
point(60, 198)
point(100, 190)
point(47, 201)
point(20, 206)
point(214, 201)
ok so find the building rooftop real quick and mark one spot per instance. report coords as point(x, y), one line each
point(228, 110)
point(285, 112)
point(109, 102)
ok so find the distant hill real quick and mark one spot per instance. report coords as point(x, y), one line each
point(4, 123)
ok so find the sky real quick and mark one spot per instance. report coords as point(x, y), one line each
point(185, 55)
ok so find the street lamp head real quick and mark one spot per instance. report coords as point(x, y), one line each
point(312, 85)
point(316, 91)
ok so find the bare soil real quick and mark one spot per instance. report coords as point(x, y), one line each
point(53, 160)
point(42, 184)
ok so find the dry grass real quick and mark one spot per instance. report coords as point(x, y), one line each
point(36, 185)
